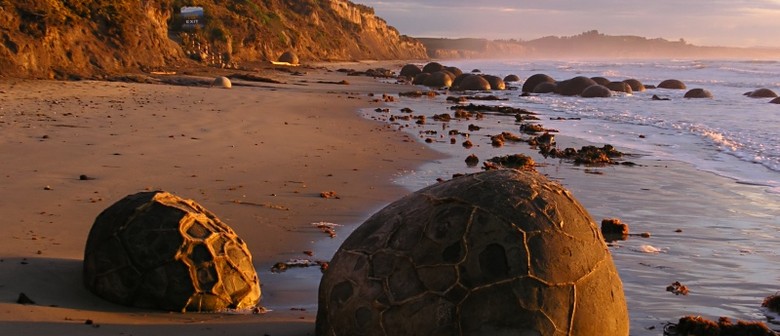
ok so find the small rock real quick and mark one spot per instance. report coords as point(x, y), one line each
point(677, 288)
point(47, 188)
point(329, 194)
point(24, 299)
point(222, 82)
point(772, 303)
point(472, 160)
point(259, 310)
point(613, 227)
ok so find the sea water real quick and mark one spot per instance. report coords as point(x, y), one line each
point(730, 135)
point(707, 186)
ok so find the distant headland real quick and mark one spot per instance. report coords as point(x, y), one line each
point(588, 45)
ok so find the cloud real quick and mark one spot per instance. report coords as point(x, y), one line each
point(704, 22)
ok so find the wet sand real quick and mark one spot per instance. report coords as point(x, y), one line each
point(258, 155)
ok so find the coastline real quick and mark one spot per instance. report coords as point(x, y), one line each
point(257, 155)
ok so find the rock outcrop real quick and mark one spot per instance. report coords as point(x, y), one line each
point(76, 39)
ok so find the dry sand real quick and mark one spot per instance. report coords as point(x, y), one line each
point(258, 155)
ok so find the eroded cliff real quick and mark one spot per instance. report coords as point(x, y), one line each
point(83, 38)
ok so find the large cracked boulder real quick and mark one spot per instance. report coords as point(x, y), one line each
point(157, 250)
point(502, 252)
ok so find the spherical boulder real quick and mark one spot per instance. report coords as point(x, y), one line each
point(672, 84)
point(438, 79)
point(410, 70)
point(432, 67)
point(620, 87)
point(449, 74)
point(502, 252)
point(534, 80)
point(596, 91)
point(454, 70)
point(761, 93)
point(458, 79)
point(574, 86)
point(157, 250)
point(496, 83)
point(698, 93)
point(222, 82)
point(511, 78)
point(636, 85)
point(473, 82)
point(545, 88)
point(289, 57)
point(600, 80)
point(420, 78)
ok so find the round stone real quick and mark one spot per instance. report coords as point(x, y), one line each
point(502, 252)
point(157, 250)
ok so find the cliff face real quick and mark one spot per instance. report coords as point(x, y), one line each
point(48, 38)
point(88, 38)
point(376, 38)
point(472, 48)
point(330, 30)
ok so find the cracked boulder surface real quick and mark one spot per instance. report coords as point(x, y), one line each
point(157, 250)
point(502, 252)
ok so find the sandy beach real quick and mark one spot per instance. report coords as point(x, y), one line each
point(257, 155)
point(260, 154)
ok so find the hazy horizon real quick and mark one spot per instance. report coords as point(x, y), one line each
point(699, 22)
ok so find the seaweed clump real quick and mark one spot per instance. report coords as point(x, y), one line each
point(516, 161)
point(699, 326)
point(587, 155)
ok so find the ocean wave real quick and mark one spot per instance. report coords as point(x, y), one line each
point(757, 61)
point(752, 72)
point(721, 140)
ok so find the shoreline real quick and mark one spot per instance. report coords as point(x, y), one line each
point(725, 227)
point(257, 155)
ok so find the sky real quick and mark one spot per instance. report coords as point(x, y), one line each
point(734, 23)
